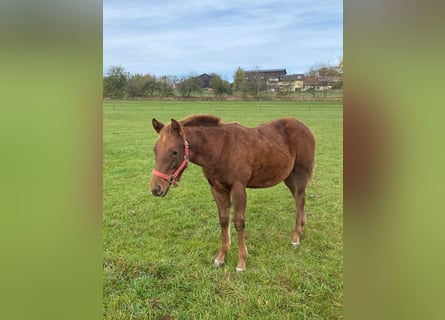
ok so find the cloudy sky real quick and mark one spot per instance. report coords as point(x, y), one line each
point(172, 37)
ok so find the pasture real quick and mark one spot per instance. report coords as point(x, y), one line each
point(159, 252)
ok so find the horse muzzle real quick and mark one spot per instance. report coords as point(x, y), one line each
point(159, 188)
point(159, 191)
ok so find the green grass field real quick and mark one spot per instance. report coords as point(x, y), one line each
point(158, 252)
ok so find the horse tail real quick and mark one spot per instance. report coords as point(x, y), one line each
point(310, 149)
point(312, 167)
point(311, 172)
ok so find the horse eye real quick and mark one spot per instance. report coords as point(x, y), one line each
point(175, 152)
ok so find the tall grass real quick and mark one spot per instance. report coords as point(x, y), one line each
point(158, 252)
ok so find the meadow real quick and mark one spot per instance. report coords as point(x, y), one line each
point(158, 252)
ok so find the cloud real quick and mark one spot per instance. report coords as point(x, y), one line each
point(176, 37)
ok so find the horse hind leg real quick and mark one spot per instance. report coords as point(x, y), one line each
point(296, 182)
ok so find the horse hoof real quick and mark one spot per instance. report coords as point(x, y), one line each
point(240, 269)
point(295, 244)
point(218, 264)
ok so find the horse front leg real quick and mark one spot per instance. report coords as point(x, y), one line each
point(222, 199)
point(239, 200)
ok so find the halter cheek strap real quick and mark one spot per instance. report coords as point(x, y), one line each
point(176, 176)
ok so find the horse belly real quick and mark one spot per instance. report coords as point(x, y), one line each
point(269, 173)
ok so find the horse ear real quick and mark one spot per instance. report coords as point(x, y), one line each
point(157, 125)
point(176, 127)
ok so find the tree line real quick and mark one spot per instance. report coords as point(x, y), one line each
point(120, 84)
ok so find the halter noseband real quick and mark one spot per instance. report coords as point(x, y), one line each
point(176, 176)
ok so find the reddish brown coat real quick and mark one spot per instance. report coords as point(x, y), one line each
point(234, 157)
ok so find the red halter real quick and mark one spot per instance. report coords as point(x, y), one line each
point(176, 176)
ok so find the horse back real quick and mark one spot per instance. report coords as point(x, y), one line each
point(266, 155)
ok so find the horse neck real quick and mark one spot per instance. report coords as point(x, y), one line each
point(202, 150)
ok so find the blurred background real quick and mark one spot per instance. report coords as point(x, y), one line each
point(51, 167)
point(393, 156)
point(50, 159)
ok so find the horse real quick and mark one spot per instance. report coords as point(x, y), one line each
point(234, 157)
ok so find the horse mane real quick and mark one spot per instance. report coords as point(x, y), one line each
point(201, 120)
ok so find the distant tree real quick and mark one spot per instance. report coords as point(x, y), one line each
point(219, 85)
point(256, 81)
point(311, 80)
point(189, 85)
point(115, 82)
point(239, 81)
point(286, 87)
point(339, 84)
point(150, 85)
point(324, 76)
point(165, 85)
point(135, 86)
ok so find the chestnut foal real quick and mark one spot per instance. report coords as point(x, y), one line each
point(233, 158)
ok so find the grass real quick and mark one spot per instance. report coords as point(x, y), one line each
point(158, 252)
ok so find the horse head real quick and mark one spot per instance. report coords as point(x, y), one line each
point(171, 157)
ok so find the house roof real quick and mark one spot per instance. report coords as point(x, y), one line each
point(280, 71)
point(205, 80)
point(204, 75)
point(294, 77)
